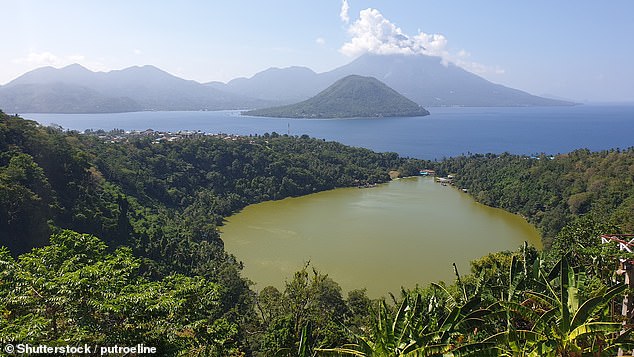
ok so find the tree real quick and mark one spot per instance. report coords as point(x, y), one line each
point(74, 290)
point(25, 204)
point(308, 314)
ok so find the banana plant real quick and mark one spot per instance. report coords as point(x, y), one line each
point(415, 330)
point(389, 336)
point(560, 324)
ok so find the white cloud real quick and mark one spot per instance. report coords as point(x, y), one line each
point(320, 41)
point(137, 51)
point(373, 33)
point(462, 60)
point(343, 14)
point(49, 59)
point(76, 58)
point(39, 59)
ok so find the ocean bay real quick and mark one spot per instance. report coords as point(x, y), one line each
point(446, 132)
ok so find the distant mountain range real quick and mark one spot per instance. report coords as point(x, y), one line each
point(350, 97)
point(423, 79)
point(75, 89)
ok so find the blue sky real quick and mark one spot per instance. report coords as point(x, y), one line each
point(581, 50)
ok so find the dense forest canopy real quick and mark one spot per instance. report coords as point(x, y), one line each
point(112, 238)
point(550, 191)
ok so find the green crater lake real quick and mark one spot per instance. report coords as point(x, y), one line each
point(402, 233)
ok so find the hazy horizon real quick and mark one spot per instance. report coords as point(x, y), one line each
point(579, 51)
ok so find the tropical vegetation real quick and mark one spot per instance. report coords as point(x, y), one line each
point(111, 238)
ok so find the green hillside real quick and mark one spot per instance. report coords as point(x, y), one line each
point(552, 191)
point(109, 242)
point(350, 97)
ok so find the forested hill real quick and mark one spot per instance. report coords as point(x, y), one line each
point(350, 97)
point(121, 191)
point(551, 191)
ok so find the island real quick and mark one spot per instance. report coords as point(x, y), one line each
point(350, 97)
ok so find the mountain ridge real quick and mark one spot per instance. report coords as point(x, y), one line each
point(139, 87)
point(422, 79)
